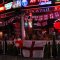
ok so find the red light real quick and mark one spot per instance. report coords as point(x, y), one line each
point(43, 0)
point(2, 8)
point(19, 43)
point(57, 25)
point(32, 1)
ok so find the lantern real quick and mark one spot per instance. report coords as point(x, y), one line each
point(57, 25)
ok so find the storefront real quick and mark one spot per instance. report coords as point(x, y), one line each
point(10, 28)
point(34, 18)
point(39, 22)
point(31, 21)
point(39, 30)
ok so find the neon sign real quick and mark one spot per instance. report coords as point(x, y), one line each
point(8, 5)
point(16, 4)
point(43, 0)
point(24, 3)
point(32, 1)
point(43, 3)
point(40, 2)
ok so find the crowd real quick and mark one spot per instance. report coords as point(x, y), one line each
point(42, 34)
point(9, 48)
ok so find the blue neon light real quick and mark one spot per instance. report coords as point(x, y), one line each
point(44, 3)
point(18, 2)
point(24, 3)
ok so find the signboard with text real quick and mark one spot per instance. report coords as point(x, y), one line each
point(25, 3)
point(40, 2)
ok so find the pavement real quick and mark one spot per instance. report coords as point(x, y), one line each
point(8, 57)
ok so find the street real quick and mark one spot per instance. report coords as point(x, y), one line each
point(7, 57)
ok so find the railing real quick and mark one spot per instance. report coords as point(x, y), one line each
point(34, 49)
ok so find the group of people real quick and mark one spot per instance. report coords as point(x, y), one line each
point(42, 34)
point(10, 47)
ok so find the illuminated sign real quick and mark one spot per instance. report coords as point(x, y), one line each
point(24, 3)
point(2, 9)
point(40, 2)
point(16, 4)
point(32, 1)
point(43, 3)
point(8, 6)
